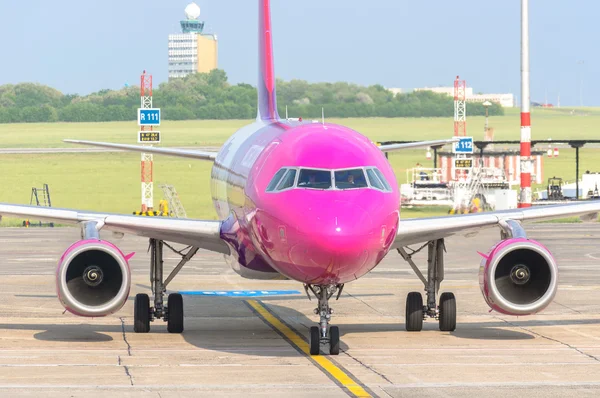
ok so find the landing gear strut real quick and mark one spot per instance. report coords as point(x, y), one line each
point(324, 333)
point(172, 313)
point(445, 310)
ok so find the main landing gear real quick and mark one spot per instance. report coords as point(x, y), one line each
point(324, 334)
point(172, 312)
point(445, 310)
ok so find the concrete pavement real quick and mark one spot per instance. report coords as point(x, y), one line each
point(228, 350)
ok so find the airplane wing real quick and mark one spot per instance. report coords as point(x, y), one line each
point(184, 153)
point(205, 234)
point(413, 145)
point(417, 230)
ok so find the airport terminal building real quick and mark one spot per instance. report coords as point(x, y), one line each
point(192, 50)
point(506, 100)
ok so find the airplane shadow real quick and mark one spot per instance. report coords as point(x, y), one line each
point(80, 333)
point(75, 333)
point(227, 324)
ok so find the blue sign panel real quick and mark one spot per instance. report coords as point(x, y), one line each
point(149, 117)
point(464, 145)
point(239, 293)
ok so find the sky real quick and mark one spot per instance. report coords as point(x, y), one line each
point(84, 46)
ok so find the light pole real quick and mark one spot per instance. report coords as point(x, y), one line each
point(486, 104)
point(525, 196)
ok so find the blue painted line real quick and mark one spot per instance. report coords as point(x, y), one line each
point(239, 293)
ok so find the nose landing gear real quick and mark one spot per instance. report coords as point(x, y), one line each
point(324, 333)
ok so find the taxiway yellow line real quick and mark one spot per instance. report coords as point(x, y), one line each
point(328, 367)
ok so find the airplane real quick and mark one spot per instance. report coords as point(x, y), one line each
point(316, 203)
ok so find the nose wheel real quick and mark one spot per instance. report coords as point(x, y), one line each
point(315, 340)
point(324, 334)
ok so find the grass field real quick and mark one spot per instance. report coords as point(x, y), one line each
point(547, 123)
point(110, 181)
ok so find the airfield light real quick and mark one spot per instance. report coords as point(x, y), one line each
point(550, 152)
point(555, 152)
point(428, 153)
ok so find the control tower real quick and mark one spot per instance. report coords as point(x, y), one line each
point(192, 50)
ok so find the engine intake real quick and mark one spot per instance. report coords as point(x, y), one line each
point(518, 277)
point(93, 278)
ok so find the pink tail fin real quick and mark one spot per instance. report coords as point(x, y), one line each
point(267, 95)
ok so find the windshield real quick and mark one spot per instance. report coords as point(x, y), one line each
point(383, 180)
point(275, 180)
point(288, 180)
point(317, 179)
point(375, 183)
point(348, 179)
point(366, 177)
point(377, 180)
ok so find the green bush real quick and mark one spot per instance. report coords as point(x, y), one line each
point(210, 96)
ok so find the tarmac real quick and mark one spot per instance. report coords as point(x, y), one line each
point(236, 346)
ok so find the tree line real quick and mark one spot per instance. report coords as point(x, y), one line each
point(210, 96)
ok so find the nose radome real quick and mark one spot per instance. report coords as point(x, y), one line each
point(335, 220)
point(336, 242)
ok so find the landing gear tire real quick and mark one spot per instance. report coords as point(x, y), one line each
point(447, 312)
point(141, 313)
point(175, 307)
point(314, 341)
point(334, 340)
point(414, 312)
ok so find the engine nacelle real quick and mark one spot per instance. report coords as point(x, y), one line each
point(518, 277)
point(93, 278)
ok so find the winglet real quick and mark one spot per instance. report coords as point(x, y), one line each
point(267, 94)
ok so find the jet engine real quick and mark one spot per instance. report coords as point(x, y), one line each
point(518, 277)
point(93, 278)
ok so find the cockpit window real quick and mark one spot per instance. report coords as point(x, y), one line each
point(275, 180)
point(383, 180)
point(364, 177)
point(288, 180)
point(377, 180)
point(374, 180)
point(348, 179)
point(316, 179)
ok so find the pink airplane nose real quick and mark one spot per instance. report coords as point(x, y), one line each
point(334, 219)
point(338, 240)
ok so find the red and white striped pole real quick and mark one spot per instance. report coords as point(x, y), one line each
point(525, 197)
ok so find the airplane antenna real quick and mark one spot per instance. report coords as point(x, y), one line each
point(323, 114)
